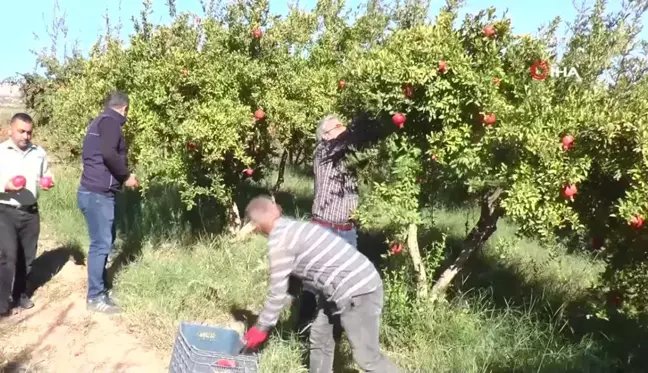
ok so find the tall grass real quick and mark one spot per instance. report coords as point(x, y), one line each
point(217, 280)
point(59, 207)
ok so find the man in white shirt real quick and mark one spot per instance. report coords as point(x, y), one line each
point(24, 170)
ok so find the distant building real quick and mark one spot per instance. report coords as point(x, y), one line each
point(9, 90)
point(10, 96)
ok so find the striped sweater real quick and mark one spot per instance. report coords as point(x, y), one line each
point(321, 259)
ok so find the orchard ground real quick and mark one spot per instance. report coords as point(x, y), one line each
point(506, 317)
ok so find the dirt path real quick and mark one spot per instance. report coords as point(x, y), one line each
point(60, 335)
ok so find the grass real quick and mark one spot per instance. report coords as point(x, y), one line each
point(513, 266)
point(59, 207)
point(503, 319)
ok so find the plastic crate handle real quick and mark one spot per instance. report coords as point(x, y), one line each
point(226, 363)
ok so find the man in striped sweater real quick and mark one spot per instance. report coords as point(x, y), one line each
point(347, 282)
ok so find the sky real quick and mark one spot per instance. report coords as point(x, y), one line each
point(22, 34)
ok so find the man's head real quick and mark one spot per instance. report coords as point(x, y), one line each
point(263, 213)
point(118, 101)
point(20, 130)
point(329, 128)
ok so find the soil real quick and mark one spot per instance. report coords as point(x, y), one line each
point(60, 335)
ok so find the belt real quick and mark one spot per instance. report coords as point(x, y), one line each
point(340, 227)
point(31, 208)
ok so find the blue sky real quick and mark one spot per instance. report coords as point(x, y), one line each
point(25, 19)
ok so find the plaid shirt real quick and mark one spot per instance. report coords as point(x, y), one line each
point(336, 187)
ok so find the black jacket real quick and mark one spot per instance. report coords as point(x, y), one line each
point(105, 167)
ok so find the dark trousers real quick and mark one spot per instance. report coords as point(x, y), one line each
point(99, 212)
point(360, 318)
point(307, 307)
point(19, 231)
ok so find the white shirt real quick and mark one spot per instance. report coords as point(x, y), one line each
point(31, 163)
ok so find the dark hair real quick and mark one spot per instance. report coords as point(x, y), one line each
point(117, 99)
point(22, 117)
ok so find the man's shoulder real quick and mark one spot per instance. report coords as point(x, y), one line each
point(297, 223)
point(306, 230)
point(320, 148)
point(325, 150)
point(104, 120)
point(286, 222)
point(290, 226)
point(39, 150)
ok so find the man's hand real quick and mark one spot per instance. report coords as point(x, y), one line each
point(254, 337)
point(46, 183)
point(132, 182)
point(10, 187)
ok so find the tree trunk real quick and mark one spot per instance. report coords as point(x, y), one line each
point(486, 226)
point(248, 228)
point(298, 157)
point(419, 266)
point(282, 171)
point(234, 219)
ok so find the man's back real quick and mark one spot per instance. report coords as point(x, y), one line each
point(104, 154)
point(336, 189)
point(323, 260)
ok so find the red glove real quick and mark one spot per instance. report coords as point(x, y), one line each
point(254, 337)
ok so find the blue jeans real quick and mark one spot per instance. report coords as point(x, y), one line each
point(99, 213)
point(351, 236)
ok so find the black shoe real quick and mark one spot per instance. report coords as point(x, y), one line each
point(5, 314)
point(24, 302)
point(111, 258)
point(110, 300)
point(103, 304)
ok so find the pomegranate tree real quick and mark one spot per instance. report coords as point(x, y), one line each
point(496, 142)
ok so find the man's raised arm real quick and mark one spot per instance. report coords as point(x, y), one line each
point(364, 130)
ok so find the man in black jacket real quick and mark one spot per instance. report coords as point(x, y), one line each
point(105, 170)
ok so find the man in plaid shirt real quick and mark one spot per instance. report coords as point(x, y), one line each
point(336, 186)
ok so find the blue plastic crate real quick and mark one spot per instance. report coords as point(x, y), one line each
point(209, 349)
